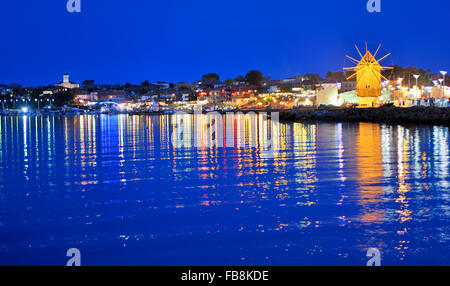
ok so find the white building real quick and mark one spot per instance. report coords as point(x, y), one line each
point(328, 96)
point(67, 84)
point(273, 88)
point(91, 97)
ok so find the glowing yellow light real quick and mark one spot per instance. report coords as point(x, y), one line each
point(368, 75)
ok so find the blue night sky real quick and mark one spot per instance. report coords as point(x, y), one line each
point(174, 40)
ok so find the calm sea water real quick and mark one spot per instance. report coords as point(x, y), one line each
point(126, 191)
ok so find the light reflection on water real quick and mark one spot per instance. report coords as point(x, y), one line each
point(126, 191)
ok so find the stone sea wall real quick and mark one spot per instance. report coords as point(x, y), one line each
point(416, 115)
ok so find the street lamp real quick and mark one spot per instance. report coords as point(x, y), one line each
point(443, 74)
point(441, 80)
point(416, 76)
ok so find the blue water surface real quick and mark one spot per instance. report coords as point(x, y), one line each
point(135, 190)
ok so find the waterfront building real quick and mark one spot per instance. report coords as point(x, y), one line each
point(348, 86)
point(84, 97)
point(294, 81)
point(273, 88)
point(118, 96)
point(5, 90)
point(55, 90)
point(327, 96)
point(67, 84)
point(161, 84)
point(327, 84)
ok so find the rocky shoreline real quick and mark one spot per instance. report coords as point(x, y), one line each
point(413, 115)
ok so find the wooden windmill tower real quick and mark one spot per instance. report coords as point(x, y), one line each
point(368, 76)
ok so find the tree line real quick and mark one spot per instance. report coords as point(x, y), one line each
point(253, 77)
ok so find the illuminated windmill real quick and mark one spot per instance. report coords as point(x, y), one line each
point(368, 76)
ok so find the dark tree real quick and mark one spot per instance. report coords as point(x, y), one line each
point(337, 76)
point(394, 73)
point(254, 78)
point(146, 83)
point(314, 78)
point(210, 77)
point(408, 75)
point(63, 98)
point(88, 82)
point(228, 82)
point(240, 79)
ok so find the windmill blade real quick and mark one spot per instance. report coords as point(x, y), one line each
point(352, 76)
point(359, 52)
point(356, 61)
point(350, 69)
point(374, 55)
point(384, 57)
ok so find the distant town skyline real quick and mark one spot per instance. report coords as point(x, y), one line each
point(179, 41)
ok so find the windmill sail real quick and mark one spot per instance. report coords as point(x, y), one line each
point(368, 73)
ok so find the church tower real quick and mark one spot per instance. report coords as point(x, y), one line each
point(66, 82)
